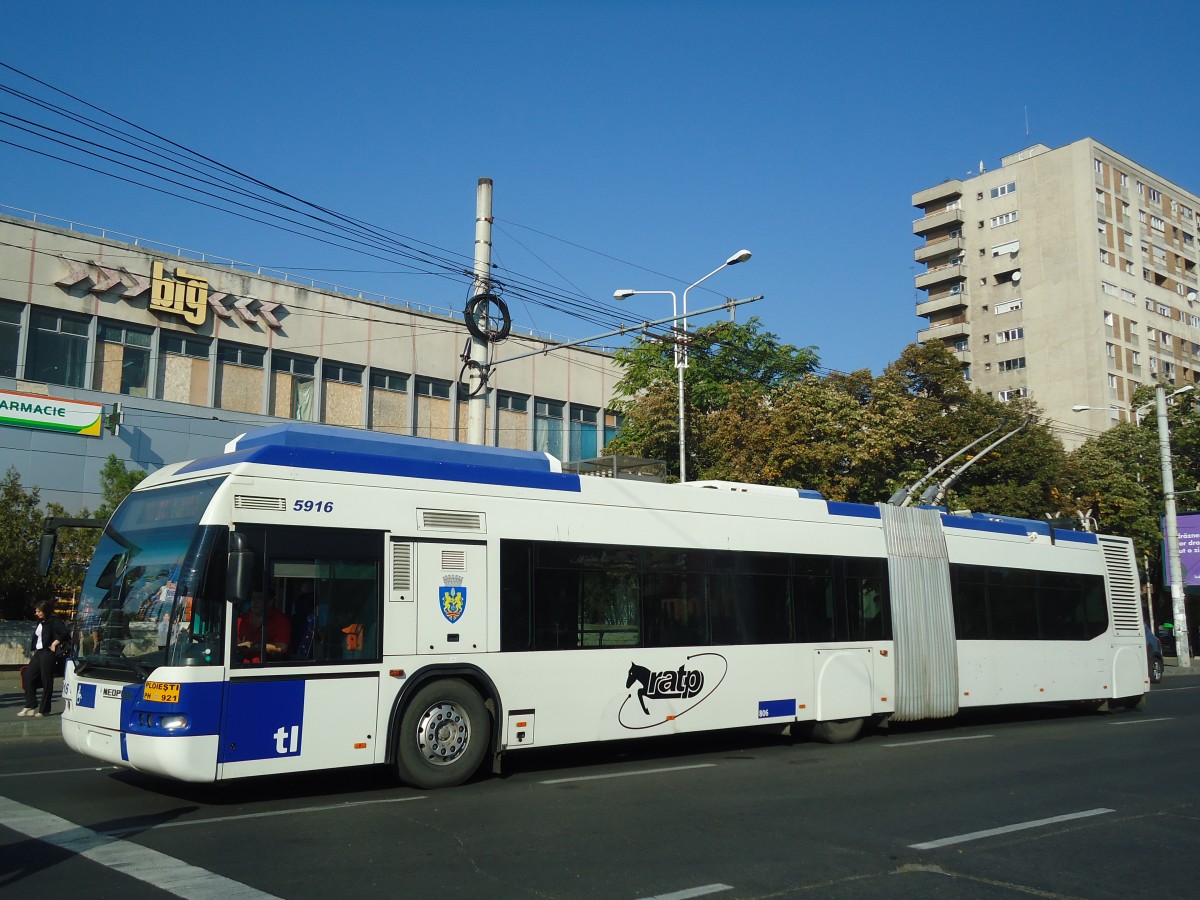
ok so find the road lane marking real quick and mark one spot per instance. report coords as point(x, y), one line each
point(692, 892)
point(628, 774)
point(150, 866)
point(1163, 690)
point(1142, 721)
point(972, 737)
point(1007, 829)
point(43, 772)
point(179, 823)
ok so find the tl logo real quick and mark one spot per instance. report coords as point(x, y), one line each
point(287, 741)
point(453, 601)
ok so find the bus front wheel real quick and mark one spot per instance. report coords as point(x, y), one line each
point(443, 735)
point(837, 731)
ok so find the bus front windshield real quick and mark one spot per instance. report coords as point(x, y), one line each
point(148, 599)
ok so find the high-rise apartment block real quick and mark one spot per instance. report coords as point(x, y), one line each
point(1066, 275)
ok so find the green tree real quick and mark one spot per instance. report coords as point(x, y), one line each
point(723, 358)
point(115, 484)
point(20, 535)
point(1116, 476)
point(73, 551)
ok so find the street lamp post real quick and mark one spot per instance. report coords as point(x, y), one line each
point(1170, 520)
point(681, 353)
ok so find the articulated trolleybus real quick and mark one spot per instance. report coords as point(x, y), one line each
point(317, 598)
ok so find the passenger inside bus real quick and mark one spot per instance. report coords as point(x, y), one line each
point(262, 620)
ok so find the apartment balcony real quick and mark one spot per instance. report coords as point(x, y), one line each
point(939, 274)
point(946, 332)
point(943, 247)
point(941, 218)
point(934, 305)
point(947, 190)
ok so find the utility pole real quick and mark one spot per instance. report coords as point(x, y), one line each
point(477, 405)
point(1171, 531)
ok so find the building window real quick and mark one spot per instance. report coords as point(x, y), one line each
point(583, 434)
point(1010, 306)
point(241, 355)
point(1010, 247)
point(1012, 334)
point(293, 387)
point(1110, 351)
point(1124, 180)
point(547, 427)
point(342, 395)
point(432, 397)
point(389, 381)
point(1110, 289)
point(342, 373)
point(10, 337)
point(1104, 256)
point(1012, 394)
point(389, 402)
point(1097, 166)
point(1156, 223)
point(1011, 365)
point(240, 377)
point(1009, 188)
point(1155, 196)
point(1005, 219)
point(123, 360)
point(512, 420)
point(58, 352)
point(183, 368)
point(612, 425)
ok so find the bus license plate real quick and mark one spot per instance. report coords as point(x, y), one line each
point(161, 692)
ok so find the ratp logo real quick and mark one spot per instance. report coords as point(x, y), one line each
point(453, 601)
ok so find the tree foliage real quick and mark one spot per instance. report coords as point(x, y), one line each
point(20, 535)
point(725, 360)
point(854, 436)
point(21, 522)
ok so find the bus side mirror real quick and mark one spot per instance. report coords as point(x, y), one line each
point(46, 552)
point(239, 568)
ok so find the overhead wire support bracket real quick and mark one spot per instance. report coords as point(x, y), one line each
point(728, 304)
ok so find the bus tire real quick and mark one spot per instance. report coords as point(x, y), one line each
point(837, 731)
point(443, 735)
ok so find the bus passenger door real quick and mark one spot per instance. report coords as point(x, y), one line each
point(452, 601)
point(314, 703)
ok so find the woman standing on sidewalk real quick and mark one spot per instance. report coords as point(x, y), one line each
point(48, 636)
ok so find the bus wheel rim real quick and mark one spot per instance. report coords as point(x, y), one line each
point(443, 733)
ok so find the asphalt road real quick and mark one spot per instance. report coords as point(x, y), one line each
point(1017, 803)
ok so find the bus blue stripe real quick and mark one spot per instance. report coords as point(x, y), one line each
point(861, 510)
point(378, 464)
point(1079, 537)
point(982, 525)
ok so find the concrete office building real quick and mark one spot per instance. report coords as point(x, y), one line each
point(1065, 275)
point(196, 350)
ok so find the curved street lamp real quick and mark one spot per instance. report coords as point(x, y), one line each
point(681, 353)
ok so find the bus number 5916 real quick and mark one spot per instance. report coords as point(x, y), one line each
point(313, 506)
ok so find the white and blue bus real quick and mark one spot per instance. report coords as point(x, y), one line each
point(430, 605)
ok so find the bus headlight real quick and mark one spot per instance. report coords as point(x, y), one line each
point(173, 723)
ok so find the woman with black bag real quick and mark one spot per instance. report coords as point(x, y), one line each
point(48, 637)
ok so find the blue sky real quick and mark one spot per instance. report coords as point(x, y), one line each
point(632, 144)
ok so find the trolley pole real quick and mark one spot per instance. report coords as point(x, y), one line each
point(477, 405)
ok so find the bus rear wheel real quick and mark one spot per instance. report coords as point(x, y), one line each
point(837, 731)
point(443, 735)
